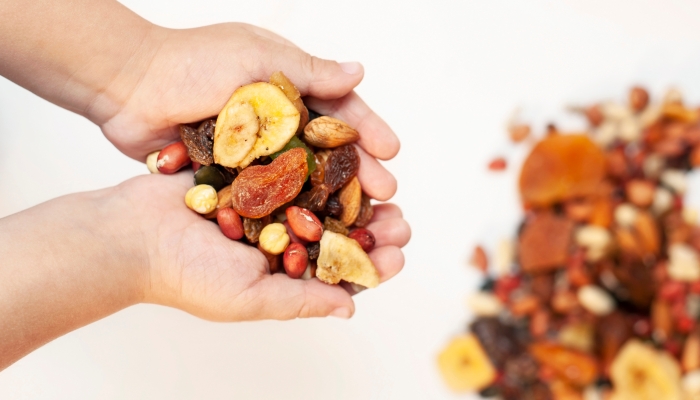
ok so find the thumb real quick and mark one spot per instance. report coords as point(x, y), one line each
point(313, 76)
point(280, 297)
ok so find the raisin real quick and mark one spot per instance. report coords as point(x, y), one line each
point(366, 212)
point(333, 225)
point(313, 200)
point(522, 369)
point(252, 227)
point(259, 190)
point(318, 176)
point(313, 249)
point(342, 165)
point(497, 339)
point(200, 142)
point(229, 174)
point(334, 207)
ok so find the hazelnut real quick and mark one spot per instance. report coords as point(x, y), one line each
point(274, 238)
point(201, 199)
point(151, 161)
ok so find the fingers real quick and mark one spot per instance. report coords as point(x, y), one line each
point(376, 137)
point(389, 261)
point(278, 296)
point(386, 211)
point(376, 181)
point(391, 232)
point(313, 76)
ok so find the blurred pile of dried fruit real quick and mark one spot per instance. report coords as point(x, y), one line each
point(599, 295)
point(267, 170)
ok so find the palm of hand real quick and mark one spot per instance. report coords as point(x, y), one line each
point(195, 268)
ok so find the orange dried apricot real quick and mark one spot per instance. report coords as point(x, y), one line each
point(561, 167)
point(261, 189)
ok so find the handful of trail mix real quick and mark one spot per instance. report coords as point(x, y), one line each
point(268, 170)
point(599, 295)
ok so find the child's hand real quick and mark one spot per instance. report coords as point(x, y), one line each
point(190, 74)
point(194, 267)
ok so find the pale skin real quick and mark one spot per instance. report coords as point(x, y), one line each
point(76, 259)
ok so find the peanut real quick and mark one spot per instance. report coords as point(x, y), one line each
point(173, 158)
point(304, 224)
point(295, 260)
point(230, 223)
point(151, 161)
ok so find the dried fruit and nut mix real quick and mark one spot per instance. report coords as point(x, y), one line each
point(268, 174)
point(599, 295)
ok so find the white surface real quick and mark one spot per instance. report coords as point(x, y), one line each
point(445, 75)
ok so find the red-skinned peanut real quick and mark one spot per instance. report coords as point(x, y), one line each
point(230, 223)
point(292, 236)
point(304, 224)
point(295, 260)
point(173, 158)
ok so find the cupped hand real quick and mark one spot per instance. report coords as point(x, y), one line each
point(188, 75)
point(194, 267)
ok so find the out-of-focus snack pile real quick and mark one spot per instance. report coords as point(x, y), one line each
point(598, 297)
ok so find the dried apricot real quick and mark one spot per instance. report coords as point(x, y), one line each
point(259, 190)
point(561, 167)
point(575, 367)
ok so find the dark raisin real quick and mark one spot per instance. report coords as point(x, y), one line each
point(333, 225)
point(522, 369)
point(341, 166)
point(206, 128)
point(497, 339)
point(199, 145)
point(229, 174)
point(313, 249)
point(334, 207)
point(366, 212)
point(313, 200)
point(252, 227)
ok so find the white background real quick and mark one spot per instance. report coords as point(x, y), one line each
point(445, 75)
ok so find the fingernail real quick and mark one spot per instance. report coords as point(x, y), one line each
point(351, 68)
point(341, 312)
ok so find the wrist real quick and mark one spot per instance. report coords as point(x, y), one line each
point(66, 263)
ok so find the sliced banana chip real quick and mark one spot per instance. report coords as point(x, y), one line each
point(271, 124)
point(640, 372)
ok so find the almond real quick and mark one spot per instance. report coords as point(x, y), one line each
point(351, 198)
point(327, 132)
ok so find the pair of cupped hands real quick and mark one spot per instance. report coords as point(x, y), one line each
point(179, 258)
